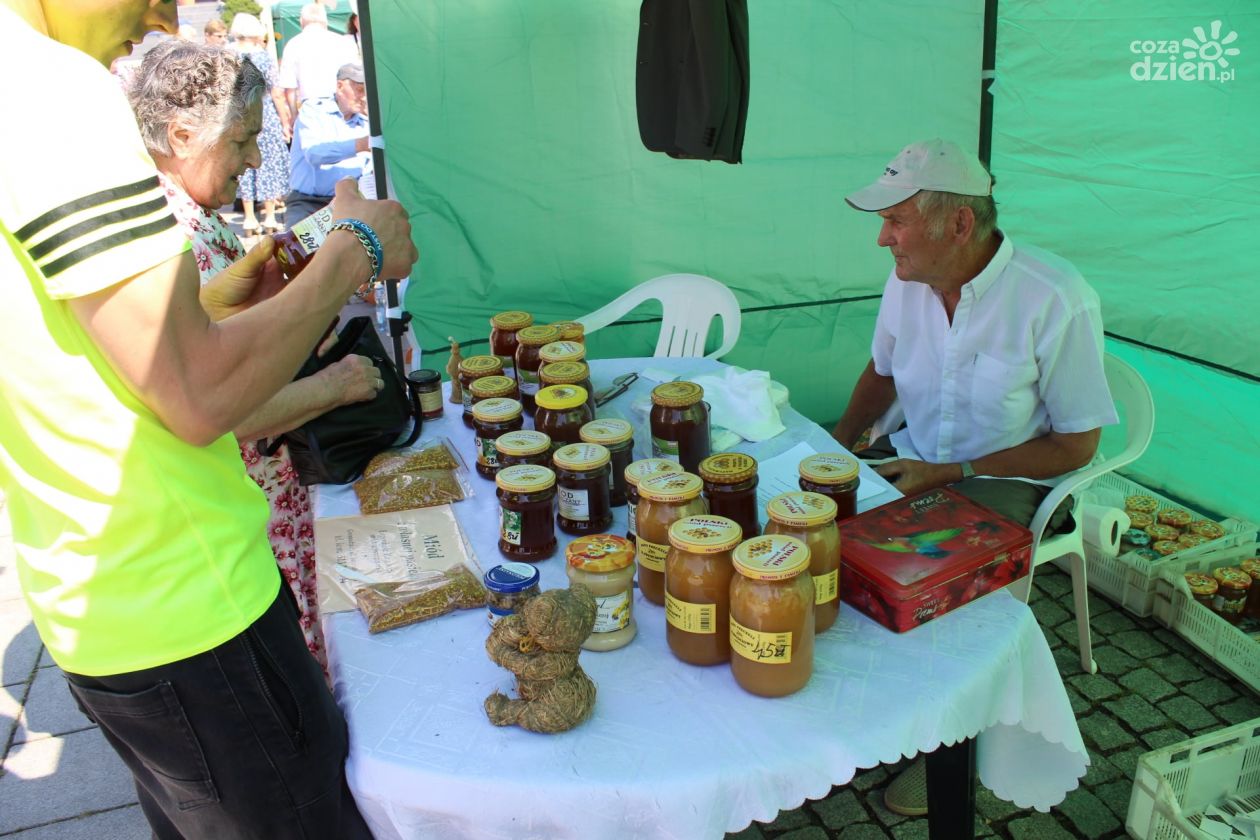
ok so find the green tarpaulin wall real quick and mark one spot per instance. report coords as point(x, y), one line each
point(511, 134)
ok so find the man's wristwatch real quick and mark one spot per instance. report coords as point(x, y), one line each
point(967, 470)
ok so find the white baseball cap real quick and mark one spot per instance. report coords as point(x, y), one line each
point(935, 164)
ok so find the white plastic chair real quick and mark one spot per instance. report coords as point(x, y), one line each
point(689, 304)
point(1133, 396)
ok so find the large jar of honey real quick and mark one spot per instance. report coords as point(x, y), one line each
point(527, 494)
point(634, 473)
point(493, 418)
point(582, 488)
point(772, 616)
point(834, 475)
point(698, 574)
point(523, 447)
point(617, 436)
point(568, 373)
point(503, 330)
point(811, 518)
point(561, 412)
point(529, 341)
point(489, 387)
point(472, 369)
point(730, 487)
point(680, 424)
point(663, 500)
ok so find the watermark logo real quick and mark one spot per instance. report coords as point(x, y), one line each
point(1203, 58)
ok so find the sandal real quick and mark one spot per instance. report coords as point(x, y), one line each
point(272, 227)
point(907, 795)
point(249, 231)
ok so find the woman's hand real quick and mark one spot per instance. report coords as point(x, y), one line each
point(251, 279)
point(353, 379)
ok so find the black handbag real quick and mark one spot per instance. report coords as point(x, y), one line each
point(335, 447)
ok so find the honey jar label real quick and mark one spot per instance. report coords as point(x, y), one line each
point(631, 516)
point(612, 612)
point(662, 448)
point(689, 617)
point(827, 587)
point(467, 396)
point(575, 505)
point(1228, 606)
point(767, 648)
point(651, 555)
point(510, 526)
point(431, 401)
point(487, 454)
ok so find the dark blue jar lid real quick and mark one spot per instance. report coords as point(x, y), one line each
point(511, 577)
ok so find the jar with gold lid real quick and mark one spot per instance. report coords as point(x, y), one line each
point(617, 436)
point(1231, 596)
point(562, 351)
point(680, 424)
point(568, 373)
point(811, 518)
point(1202, 588)
point(730, 487)
point(571, 331)
point(491, 419)
point(634, 473)
point(472, 369)
point(582, 488)
point(489, 387)
point(835, 475)
point(529, 341)
point(527, 495)
point(663, 500)
point(523, 447)
point(1252, 567)
point(503, 330)
point(772, 616)
point(698, 574)
point(561, 413)
point(604, 563)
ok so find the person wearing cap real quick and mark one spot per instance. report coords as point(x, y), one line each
point(311, 58)
point(330, 142)
point(992, 351)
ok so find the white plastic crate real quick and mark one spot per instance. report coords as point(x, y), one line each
point(1172, 786)
point(1129, 580)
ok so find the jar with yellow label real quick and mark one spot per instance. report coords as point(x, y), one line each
point(730, 487)
point(492, 418)
point(811, 518)
point(571, 331)
point(698, 574)
point(617, 436)
point(561, 413)
point(772, 616)
point(582, 488)
point(605, 564)
point(489, 387)
point(1231, 597)
point(529, 341)
point(634, 473)
point(523, 447)
point(835, 475)
point(663, 500)
point(527, 495)
point(680, 424)
point(568, 373)
point(503, 330)
point(472, 369)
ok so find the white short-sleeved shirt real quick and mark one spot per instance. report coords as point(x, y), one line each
point(311, 61)
point(1023, 356)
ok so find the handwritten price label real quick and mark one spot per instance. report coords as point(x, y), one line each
point(767, 648)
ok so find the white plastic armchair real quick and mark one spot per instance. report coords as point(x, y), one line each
point(1132, 395)
point(689, 303)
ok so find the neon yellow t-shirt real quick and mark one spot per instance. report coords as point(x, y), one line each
point(134, 548)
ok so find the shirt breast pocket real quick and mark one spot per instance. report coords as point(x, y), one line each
point(1003, 395)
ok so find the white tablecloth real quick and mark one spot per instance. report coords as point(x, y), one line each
point(674, 750)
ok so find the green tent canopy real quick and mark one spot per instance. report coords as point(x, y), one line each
point(286, 16)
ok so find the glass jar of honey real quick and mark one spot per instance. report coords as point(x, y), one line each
point(663, 500)
point(529, 341)
point(582, 488)
point(523, 447)
point(428, 386)
point(835, 475)
point(730, 487)
point(491, 419)
point(634, 473)
point(503, 330)
point(1252, 567)
point(604, 563)
point(698, 574)
point(527, 495)
point(1231, 596)
point(571, 331)
point(568, 373)
point(772, 616)
point(811, 518)
point(561, 413)
point(562, 351)
point(472, 369)
point(1202, 588)
point(489, 387)
point(617, 436)
point(296, 247)
point(680, 424)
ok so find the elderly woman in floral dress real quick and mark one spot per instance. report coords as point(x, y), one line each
point(200, 110)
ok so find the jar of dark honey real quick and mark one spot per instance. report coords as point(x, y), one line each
point(680, 424)
point(835, 475)
point(489, 387)
point(503, 330)
point(524, 447)
point(529, 341)
point(571, 331)
point(617, 436)
point(730, 487)
point(527, 495)
point(472, 369)
point(568, 373)
point(582, 488)
point(562, 351)
point(491, 419)
point(561, 413)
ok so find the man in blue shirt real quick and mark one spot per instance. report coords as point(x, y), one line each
point(328, 138)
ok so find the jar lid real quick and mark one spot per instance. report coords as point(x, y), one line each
point(1190, 540)
point(636, 471)
point(599, 553)
point(1176, 517)
point(771, 557)
point(525, 478)
point(481, 365)
point(513, 319)
point(1201, 584)
point(677, 394)
point(1140, 503)
point(560, 397)
point(1251, 566)
point(1140, 520)
point(1207, 528)
point(524, 442)
point(424, 376)
point(728, 468)
point(1166, 547)
point(829, 468)
point(608, 432)
point(571, 330)
point(496, 409)
point(581, 456)
point(562, 351)
point(492, 386)
point(670, 486)
point(801, 509)
point(1162, 532)
point(705, 534)
point(538, 335)
point(564, 373)
point(507, 578)
point(1232, 577)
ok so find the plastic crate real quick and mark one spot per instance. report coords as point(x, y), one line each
point(1172, 786)
point(1128, 579)
point(1229, 647)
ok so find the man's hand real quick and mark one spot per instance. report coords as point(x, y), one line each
point(387, 218)
point(912, 477)
point(253, 278)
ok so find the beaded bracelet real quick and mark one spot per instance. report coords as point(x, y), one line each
point(368, 239)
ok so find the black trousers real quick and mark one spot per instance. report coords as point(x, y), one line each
point(243, 741)
point(299, 205)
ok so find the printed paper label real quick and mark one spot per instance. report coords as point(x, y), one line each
point(631, 524)
point(487, 454)
point(575, 505)
point(612, 612)
point(1226, 607)
point(768, 648)
point(662, 448)
point(827, 587)
point(431, 401)
point(467, 400)
point(691, 618)
point(510, 526)
point(651, 555)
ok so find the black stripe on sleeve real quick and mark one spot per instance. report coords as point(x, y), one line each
point(83, 228)
point(113, 241)
point(94, 200)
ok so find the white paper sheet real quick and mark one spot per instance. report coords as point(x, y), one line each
point(781, 474)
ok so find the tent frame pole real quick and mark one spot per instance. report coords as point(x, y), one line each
point(988, 65)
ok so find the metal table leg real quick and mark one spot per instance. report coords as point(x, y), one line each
point(951, 791)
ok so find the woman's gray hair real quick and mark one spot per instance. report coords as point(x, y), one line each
point(205, 89)
point(939, 207)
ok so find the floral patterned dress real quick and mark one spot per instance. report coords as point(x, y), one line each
point(291, 526)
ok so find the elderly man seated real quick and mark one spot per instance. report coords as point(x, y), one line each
point(993, 350)
point(330, 140)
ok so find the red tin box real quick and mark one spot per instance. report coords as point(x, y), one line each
point(909, 561)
